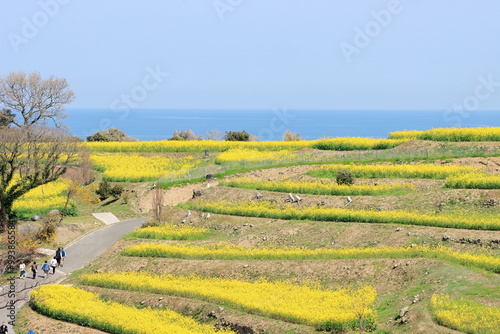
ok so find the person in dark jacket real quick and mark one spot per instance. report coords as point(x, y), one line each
point(34, 269)
point(4, 329)
point(58, 256)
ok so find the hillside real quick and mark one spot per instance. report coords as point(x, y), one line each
point(410, 253)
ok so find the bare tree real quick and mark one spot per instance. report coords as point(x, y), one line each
point(29, 157)
point(34, 99)
point(157, 203)
point(213, 135)
point(290, 136)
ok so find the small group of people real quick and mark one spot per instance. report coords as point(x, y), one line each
point(56, 261)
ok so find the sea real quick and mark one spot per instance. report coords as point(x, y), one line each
point(159, 124)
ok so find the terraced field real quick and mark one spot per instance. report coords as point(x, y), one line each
point(411, 247)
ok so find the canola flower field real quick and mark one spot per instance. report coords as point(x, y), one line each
point(224, 251)
point(85, 308)
point(340, 143)
point(324, 308)
point(319, 188)
point(465, 315)
point(171, 232)
point(237, 154)
point(43, 199)
point(451, 134)
point(138, 168)
point(474, 181)
point(271, 210)
point(421, 171)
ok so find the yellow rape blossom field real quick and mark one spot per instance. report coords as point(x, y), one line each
point(45, 198)
point(451, 134)
point(272, 210)
point(278, 267)
point(325, 309)
point(474, 181)
point(252, 154)
point(234, 252)
point(341, 143)
point(320, 188)
point(465, 315)
point(171, 232)
point(86, 308)
point(137, 168)
point(425, 171)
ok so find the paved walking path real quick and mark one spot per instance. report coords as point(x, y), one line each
point(79, 254)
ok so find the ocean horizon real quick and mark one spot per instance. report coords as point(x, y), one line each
point(267, 125)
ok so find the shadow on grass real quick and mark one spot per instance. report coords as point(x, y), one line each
point(111, 201)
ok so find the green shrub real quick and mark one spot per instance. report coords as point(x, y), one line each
point(345, 177)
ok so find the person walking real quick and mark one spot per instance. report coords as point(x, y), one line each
point(4, 329)
point(63, 256)
point(46, 268)
point(22, 270)
point(53, 265)
point(58, 256)
point(34, 269)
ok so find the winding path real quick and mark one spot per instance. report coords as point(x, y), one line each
point(79, 254)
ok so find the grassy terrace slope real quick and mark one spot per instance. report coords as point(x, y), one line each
point(426, 246)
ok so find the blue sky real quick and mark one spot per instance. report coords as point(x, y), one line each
point(243, 54)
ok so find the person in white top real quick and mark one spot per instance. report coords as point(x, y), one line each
point(22, 271)
point(53, 265)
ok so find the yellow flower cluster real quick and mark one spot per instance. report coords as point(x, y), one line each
point(465, 315)
point(313, 305)
point(356, 143)
point(44, 198)
point(138, 168)
point(233, 252)
point(426, 171)
point(85, 308)
point(54, 188)
point(221, 146)
point(270, 210)
point(319, 188)
point(474, 181)
point(239, 154)
point(451, 134)
point(171, 232)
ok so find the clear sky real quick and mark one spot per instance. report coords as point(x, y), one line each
point(241, 54)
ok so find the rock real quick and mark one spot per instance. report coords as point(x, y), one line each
point(35, 218)
point(402, 312)
point(445, 238)
point(54, 212)
point(488, 203)
point(398, 229)
point(415, 299)
point(246, 266)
